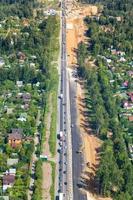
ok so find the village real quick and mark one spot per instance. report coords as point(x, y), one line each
point(22, 95)
point(120, 69)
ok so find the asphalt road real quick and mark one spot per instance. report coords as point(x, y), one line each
point(63, 145)
point(77, 158)
point(62, 158)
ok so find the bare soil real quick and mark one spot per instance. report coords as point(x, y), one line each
point(76, 28)
point(91, 147)
point(47, 181)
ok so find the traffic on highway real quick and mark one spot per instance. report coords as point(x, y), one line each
point(62, 135)
point(68, 136)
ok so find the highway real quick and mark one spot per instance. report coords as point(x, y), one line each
point(77, 158)
point(68, 161)
point(62, 119)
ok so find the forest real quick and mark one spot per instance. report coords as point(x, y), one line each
point(110, 34)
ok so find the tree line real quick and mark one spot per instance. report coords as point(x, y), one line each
point(115, 174)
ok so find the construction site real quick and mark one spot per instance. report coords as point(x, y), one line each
point(75, 14)
point(76, 29)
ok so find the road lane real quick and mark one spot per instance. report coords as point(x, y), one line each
point(76, 142)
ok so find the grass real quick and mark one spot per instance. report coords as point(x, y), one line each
point(44, 119)
point(52, 189)
point(52, 138)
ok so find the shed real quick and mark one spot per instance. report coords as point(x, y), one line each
point(12, 161)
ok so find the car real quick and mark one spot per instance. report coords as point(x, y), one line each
point(78, 151)
point(72, 125)
point(60, 171)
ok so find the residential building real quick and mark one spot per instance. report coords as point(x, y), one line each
point(8, 181)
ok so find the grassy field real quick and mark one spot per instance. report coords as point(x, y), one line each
point(52, 189)
point(52, 138)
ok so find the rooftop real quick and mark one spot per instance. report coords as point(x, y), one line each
point(8, 179)
point(15, 136)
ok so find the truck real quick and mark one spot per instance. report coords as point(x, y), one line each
point(61, 195)
point(60, 135)
point(44, 157)
point(61, 96)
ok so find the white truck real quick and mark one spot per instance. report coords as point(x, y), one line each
point(60, 135)
point(61, 195)
point(61, 96)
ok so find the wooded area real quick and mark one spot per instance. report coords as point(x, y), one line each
point(110, 33)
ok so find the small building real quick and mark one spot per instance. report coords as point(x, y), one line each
point(23, 117)
point(130, 118)
point(32, 65)
point(19, 83)
point(2, 62)
point(9, 111)
point(26, 97)
point(12, 171)
point(12, 161)
point(125, 84)
point(21, 56)
point(8, 181)
point(25, 106)
point(15, 138)
point(4, 197)
point(130, 94)
point(130, 73)
point(122, 59)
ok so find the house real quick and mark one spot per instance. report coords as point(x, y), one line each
point(2, 62)
point(125, 84)
point(130, 118)
point(26, 97)
point(122, 59)
point(33, 57)
point(12, 171)
point(23, 117)
point(26, 22)
point(25, 106)
point(4, 197)
point(15, 138)
point(19, 83)
point(125, 104)
point(32, 65)
point(12, 161)
point(119, 19)
point(130, 73)
point(19, 95)
point(21, 56)
point(128, 105)
point(130, 95)
point(9, 111)
point(108, 60)
point(8, 181)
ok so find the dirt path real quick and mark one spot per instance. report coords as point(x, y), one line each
point(34, 159)
point(46, 167)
